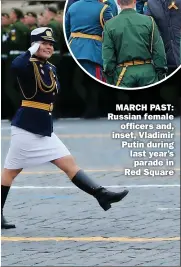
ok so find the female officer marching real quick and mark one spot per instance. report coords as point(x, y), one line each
point(32, 138)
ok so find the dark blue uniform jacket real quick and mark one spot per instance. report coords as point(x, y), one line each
point(168, 20)
point(38, 83)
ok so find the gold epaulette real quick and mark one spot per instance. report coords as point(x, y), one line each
point(172, 5)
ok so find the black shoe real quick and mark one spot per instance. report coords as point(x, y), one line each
point(5, 224)
point(106, 198)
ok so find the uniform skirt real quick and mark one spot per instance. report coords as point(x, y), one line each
point(28, 149)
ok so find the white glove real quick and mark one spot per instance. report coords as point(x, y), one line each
point(34, 48)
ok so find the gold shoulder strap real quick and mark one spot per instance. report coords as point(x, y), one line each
point(152, 35)
point(101, 15)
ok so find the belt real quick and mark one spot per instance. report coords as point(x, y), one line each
point(130, 63)
point(88, 36)
point(135, 63)
point(38, 105)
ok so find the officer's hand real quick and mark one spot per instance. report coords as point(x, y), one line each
point(34, 48)
point(161, 76)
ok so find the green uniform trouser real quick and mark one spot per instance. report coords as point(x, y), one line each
point(136, 76)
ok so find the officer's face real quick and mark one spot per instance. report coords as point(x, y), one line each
point(5, 20)
point(46, 15)
point(45, 50)
point(42, 21)
point(59, 18)
point(30, 20)
point(12, 16)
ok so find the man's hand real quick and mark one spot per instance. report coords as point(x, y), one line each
point(34, 48)
point(161, 75)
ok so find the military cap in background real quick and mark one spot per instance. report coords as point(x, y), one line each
point(18, 13)
point(52, 9)
point(31, 14)
point(59, 12)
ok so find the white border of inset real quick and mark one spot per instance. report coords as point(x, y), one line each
point(111, 86)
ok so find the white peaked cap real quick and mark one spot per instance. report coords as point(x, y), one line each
point(40, 30)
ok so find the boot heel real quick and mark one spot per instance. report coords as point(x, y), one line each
point(105, 206)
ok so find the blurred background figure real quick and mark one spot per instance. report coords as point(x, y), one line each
point(59, 17)
point(31, 20)
point(50, 15)
point(22, 19)
point(5, 28)
point(141, 6)
point(5, 21)
point(18, 42)
point(42, 20)
point(19, 32)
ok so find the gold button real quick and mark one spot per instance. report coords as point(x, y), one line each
point(53, 93)
point(41, 65)
point(50, 113)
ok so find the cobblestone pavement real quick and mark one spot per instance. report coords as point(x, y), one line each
point(59, 225)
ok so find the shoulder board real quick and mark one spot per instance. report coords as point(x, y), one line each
point(104, 1)
point(33, 59)
point(51, 64)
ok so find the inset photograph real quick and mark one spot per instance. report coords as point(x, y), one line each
point(125, 43)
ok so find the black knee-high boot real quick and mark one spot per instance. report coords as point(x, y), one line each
point(103, 196)
point(4, 194)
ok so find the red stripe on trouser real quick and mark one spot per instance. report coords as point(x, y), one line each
point(98, 72)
